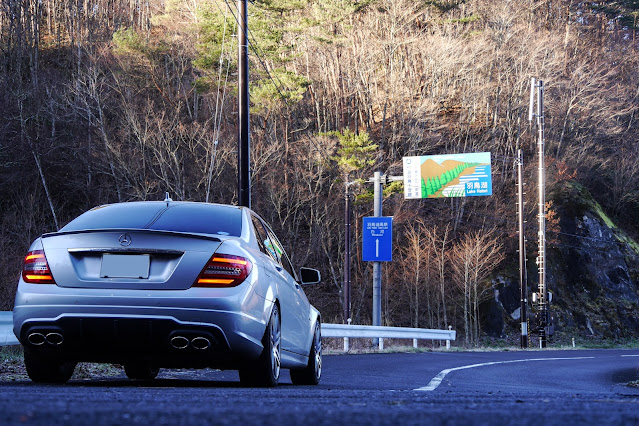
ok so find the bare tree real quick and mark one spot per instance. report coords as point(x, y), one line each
point(473, 258)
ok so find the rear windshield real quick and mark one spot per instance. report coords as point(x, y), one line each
point(179, 217)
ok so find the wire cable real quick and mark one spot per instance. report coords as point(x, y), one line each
point(218, 122)
point(254, 47)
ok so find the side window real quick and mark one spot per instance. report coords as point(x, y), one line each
point(288, 266)
point(284, 260)
point(263, 239)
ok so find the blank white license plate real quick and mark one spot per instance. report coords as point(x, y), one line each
point(125, 266)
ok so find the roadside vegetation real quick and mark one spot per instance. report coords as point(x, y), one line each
point(12, 367)
point(118, 101)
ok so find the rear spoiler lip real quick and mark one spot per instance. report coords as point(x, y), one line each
point(153, 231)
point(125, 250)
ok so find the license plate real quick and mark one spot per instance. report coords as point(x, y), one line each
point(125, 266)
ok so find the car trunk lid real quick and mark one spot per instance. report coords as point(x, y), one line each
point(127, 258)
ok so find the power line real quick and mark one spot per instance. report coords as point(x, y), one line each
point(254, 47)
point(218, 122)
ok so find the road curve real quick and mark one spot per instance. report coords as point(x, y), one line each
point(553, 387)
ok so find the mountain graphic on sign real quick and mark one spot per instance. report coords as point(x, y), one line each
point(436, 177)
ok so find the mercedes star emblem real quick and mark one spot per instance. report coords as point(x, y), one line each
point(125, 240)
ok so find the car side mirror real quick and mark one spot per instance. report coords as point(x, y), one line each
point(309, 276)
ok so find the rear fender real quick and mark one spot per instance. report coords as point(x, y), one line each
point(262, 281)
point(315, 318)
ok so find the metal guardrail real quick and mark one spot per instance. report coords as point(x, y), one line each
point(6, 329)
point(328, 330)
point(348, 331)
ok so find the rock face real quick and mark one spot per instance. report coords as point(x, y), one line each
point(593, 273)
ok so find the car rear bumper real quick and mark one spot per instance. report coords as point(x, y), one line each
point(224, 335)
point(162, 342)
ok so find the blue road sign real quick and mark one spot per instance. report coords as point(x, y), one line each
point(377, 239)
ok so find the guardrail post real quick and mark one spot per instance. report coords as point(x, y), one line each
point(346, 339)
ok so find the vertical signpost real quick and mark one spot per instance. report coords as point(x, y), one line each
point(377, 267)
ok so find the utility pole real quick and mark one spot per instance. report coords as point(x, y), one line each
point(522, 251)
point(347, 254)
point(243, 139)
point(542, 296)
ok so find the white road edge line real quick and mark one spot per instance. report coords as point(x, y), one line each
point(628, 355)
point(437, 380)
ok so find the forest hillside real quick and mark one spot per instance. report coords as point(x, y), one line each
point(111, 101)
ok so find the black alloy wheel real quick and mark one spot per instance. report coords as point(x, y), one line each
point(266, 371)
point(312, 374)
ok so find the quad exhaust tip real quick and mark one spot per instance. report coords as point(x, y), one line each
point(201, 343)
point(54, 339)
point(36, 339)
point(39, 339)
point(180, 342)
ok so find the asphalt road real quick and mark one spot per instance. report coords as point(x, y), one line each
point(550, 387)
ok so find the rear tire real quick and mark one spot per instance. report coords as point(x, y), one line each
point(141, 371)
point(47, 369)
point(266, 371)
point(312, 374)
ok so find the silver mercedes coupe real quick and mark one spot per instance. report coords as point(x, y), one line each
point(153, 284)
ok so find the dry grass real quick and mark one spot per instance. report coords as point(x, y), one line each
point(12, 367)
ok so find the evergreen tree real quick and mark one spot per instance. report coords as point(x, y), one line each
point(272, 23)
point(354, 152)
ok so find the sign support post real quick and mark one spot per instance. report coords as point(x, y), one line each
point(378, 244)
point(377, 266)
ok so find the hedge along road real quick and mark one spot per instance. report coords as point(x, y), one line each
point(555, 387)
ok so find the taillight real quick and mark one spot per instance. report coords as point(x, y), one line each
point(224, 270)
point(36, 269)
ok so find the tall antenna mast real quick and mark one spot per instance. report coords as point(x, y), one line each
point(542, 296)
point(243, 140)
